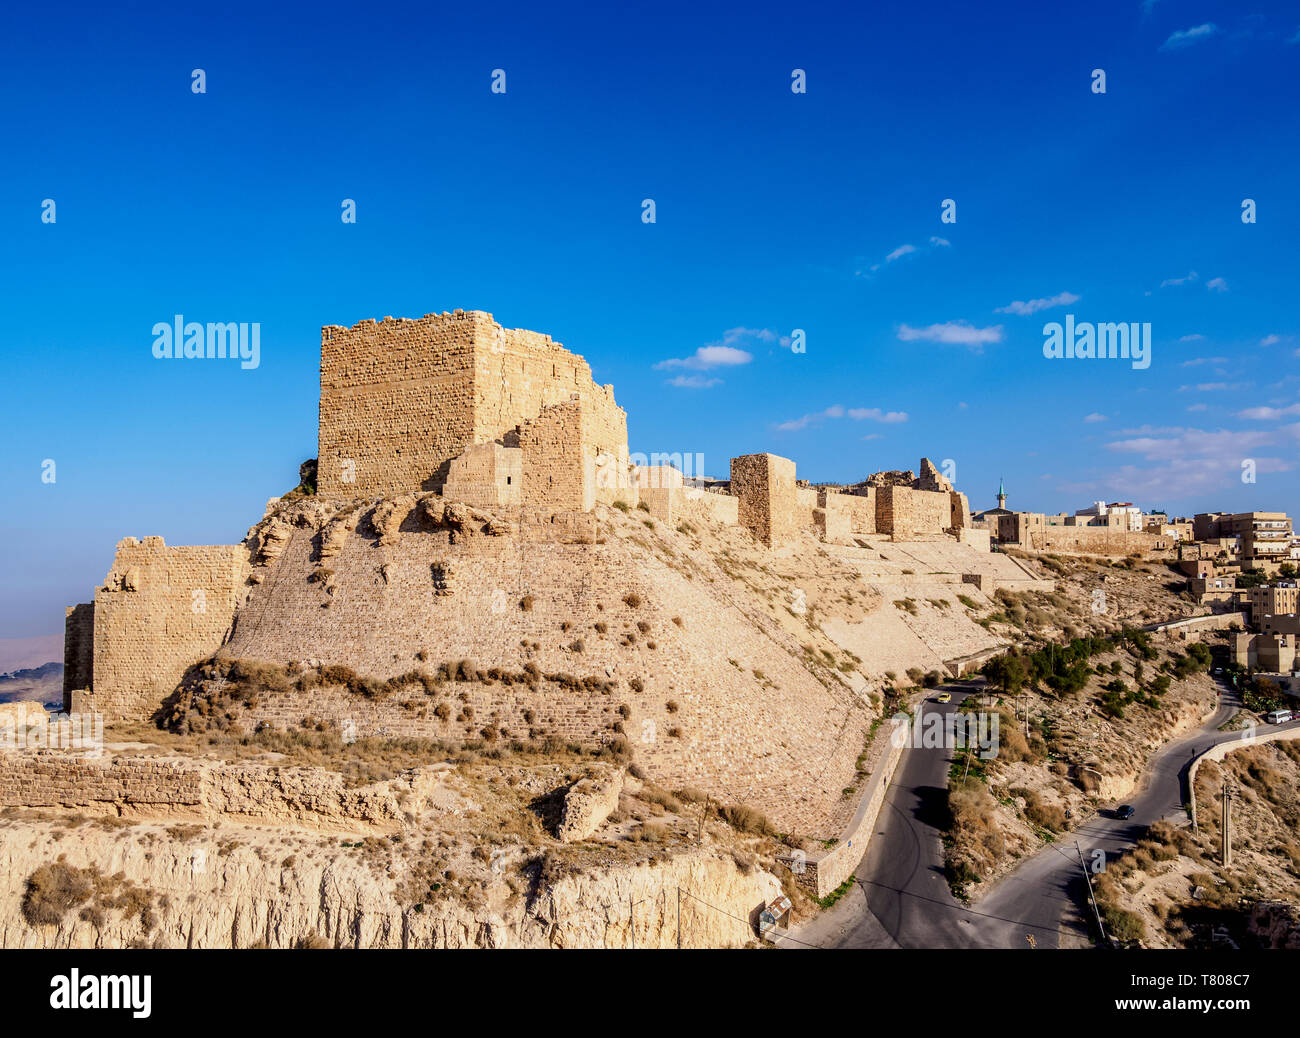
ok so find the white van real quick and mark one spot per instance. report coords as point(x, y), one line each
point(1278, 716)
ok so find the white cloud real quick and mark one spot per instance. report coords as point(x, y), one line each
point(1270, 340)
point(1032, 306)
point(1199, 407)
point(1175, 444)
point(1203, 360)
point(707, 357)
point(953, 333)
point(1268, 414)
point(1217, 285)
point(1186, 37)
point(875, 414)
point(693, 381)
point(857, 414)
point(726, 352)
point(1095, 417)
point(1195, 337)
point(1187, 278)
point(1188, 463)
point(795, 424)
point(1215, 387)
point(906, 250)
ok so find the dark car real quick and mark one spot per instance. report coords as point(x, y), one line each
point(1125, 812)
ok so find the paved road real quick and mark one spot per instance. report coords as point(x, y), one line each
point(902, 898)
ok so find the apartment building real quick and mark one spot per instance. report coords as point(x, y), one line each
point(1264, 537)
point(1274, 599)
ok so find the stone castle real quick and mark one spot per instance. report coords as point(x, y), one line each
point(461, 472)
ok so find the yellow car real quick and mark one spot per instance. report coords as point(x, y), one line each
point(944, 697)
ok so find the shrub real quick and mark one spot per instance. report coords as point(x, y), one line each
point(632, 600)
point(1122, 924)
point(1048, 816)
point(526, 603)
point(745, 819)
point(622, 505)
point(53, 890)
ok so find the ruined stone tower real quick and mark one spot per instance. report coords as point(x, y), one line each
point(401, 399)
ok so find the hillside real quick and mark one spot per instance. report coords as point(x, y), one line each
point(43, 684)
point(1174, 892)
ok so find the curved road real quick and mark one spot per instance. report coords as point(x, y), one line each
point(902, 900)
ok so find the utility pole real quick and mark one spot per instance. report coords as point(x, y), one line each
point(699, 837)
point(631, 920)
point(1226, 833)
point(679, 918)
point(1096, 913)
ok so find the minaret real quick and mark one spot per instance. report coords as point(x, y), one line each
point(1002, 494)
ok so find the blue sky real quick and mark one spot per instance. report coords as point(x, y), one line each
point(775, 211)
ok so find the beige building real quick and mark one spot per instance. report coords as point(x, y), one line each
point(1272, 599)
point(1274, 653)
point(1263, 538)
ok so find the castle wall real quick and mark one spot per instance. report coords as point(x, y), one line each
point(400, 399)
point(905, 512)
point(702, 506)
point(396, 402)
point(557, 474)
point(833, 517)
point(690, 718)
point(764, 484)
point(78, 646)
point(486, 475)
point(518, 372)
point(959, 510)
point(182, 788)
point(672, 505)
point(160, 610)
point(862, 511)
point(1096, 540)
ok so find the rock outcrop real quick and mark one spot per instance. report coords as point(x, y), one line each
point(589, 802)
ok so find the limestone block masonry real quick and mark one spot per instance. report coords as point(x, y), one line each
point(401, 398)
point(765, 487)
point(181, 788)
point(160, 611)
